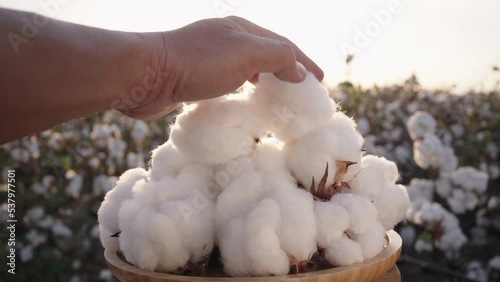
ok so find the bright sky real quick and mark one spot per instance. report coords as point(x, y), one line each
point(444, 42)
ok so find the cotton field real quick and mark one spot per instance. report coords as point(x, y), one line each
point(446, 148)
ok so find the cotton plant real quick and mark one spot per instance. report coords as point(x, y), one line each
point(272, 176)
point(459, 189)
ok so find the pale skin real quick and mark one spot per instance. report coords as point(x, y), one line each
point(65, 71)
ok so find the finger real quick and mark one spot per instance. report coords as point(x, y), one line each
point(270, 55)
point(310, 65)
point(254, 78)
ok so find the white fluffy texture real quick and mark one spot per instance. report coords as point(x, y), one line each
point(421, 123)
point(167, 160)
point(448, 161)
point(375, 174)
point(421, 193)
point(108, 212)
point(293, 109)
point(264, 183)
point(332, 220)
point(169, 222)
point(362, 213)
point(338, 141)
point(217, 130)
point(462, 188)
point(344, 252)
point(440, 221)
point(372, 241)
point(228, 176)
point(376, 181)
point(426, 151)
point(392, 204)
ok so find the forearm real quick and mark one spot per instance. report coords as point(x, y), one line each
point(65, 71)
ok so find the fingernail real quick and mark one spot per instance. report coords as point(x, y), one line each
point(301, 69)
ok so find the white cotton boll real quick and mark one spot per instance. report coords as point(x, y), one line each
point(421, 123)
point(361, 211)
point(150, 240)
point(372, 241)
point(344, 252)
point(263, 246)
point(217, 130)
point(193, 218)
point(433, 213)
point(476, 272)
point(374, 174)
point(293, 109)
point(494, 263)
point(392, 204)
point(443, 185)
point(448, 161)
point(233, 252)
point(167, 160)
point(298, 223)
point(426, 151)
point(307, 158)
point(194, 179)
point(108, 211)
point(422, 246)
point(363, 126)
point(331, 221)
point(139, 131)
point(269, 155)
point(452, 240)
point(421, 188)
point(239, 197)
point(470, 179)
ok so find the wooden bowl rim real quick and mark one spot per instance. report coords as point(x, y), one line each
point(380, 264)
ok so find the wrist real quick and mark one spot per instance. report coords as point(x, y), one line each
point(151, 87)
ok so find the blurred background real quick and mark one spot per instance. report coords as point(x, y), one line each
point(383, 60)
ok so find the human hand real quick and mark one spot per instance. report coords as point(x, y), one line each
point(213, 57)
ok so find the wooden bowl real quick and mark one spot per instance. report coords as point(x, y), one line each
point(366, 271)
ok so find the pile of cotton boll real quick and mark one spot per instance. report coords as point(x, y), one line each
point(271, 176)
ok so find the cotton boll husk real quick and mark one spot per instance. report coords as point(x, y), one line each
point(217, 130)
point(372, 241)
point(108, 211)
point(421, 123)
point(307, 158)
point(331, 221)
point(344, 251)
point(293, 109)
point(392, 204)
point(375, 173)
point(167, 160)
point(264, 249)
point(361, 211)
